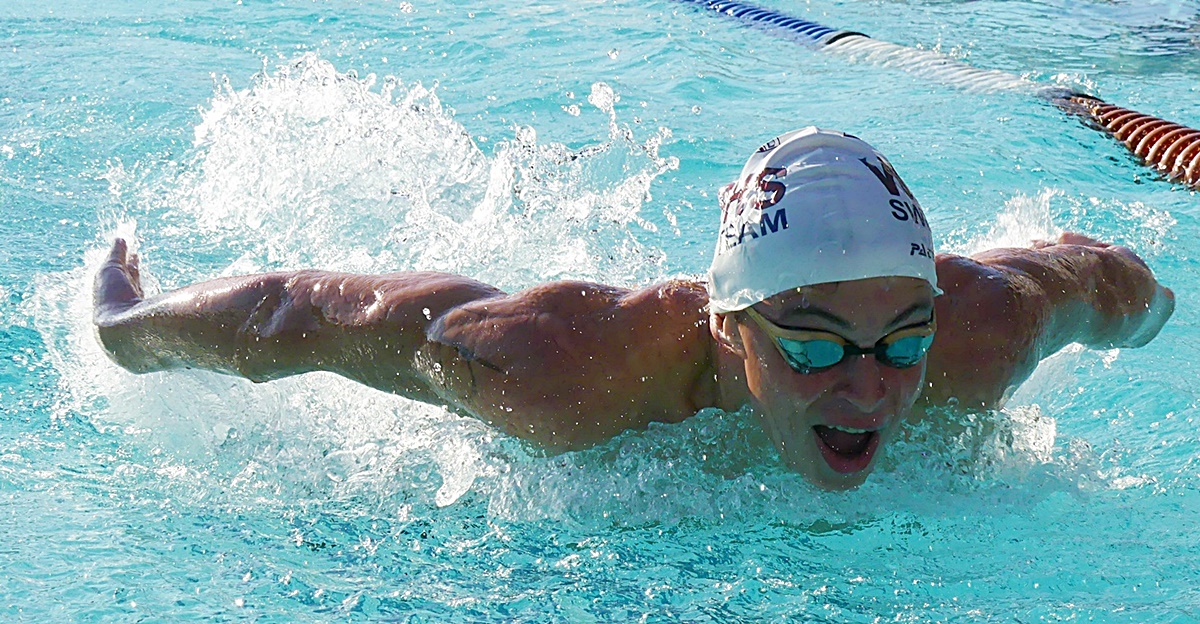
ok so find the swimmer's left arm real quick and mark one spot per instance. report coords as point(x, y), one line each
point(1097, 294)
point(1007, 309)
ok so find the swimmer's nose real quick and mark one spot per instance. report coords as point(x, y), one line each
point(863, 386)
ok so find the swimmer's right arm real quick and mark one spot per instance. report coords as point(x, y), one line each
point(564, 364)
point(268, 326)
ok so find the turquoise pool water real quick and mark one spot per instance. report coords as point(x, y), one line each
point(519, 144)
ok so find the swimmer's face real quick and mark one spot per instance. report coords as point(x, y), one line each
point(831, 424)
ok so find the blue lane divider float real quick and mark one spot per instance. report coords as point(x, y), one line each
point(1170, 148)
point(809, 32)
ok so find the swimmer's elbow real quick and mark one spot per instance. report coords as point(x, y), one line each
point(281, 335)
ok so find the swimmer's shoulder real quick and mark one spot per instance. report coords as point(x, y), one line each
point(672, 330)
point(673, 296)
point(674, 301)
point(680, 298)
point(665, 323)
point(613, 358)
point(987, 334)
point(673, 313)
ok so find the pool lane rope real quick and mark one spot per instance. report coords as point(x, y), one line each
point(1170, 148)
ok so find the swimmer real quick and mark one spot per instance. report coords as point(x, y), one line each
point(825, 311)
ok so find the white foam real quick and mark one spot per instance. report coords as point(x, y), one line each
point(1023, 220)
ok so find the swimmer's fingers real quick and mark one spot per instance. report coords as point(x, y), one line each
point(132, 268)
point(131, 262)
point(118, 252)
point(118, 283)
point(1073, 238)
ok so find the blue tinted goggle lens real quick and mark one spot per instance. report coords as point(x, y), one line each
point(813, 355)
point(810, 351)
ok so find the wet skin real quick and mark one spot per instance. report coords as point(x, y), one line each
point(858, 394)
point(570, 364)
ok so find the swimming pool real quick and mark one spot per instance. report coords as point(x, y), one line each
point(520, 144)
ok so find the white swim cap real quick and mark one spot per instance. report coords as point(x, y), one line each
point(815, 206)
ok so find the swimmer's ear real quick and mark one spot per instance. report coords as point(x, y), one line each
point(724, 329)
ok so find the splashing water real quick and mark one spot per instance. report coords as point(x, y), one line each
point(312, 167)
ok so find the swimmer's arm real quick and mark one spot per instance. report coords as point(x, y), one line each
point(273, 325)
point(1100, 295)
point(1007, 309)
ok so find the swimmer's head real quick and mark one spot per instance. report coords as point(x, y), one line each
point(829, 246)
point(812, 207)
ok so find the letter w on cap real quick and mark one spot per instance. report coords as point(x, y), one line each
point(888, 177)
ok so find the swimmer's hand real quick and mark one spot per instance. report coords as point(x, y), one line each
point(117, 291)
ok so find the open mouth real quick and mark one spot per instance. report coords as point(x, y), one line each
point(846, 450)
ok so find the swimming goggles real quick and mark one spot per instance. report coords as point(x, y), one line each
point(811, 351)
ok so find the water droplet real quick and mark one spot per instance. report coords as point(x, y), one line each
point(602, 97)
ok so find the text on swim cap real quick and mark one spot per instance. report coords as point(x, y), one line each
point(743, 208)
point(888, 177)
point(769, 145)
point(759, 192)
point(902, 208)
point(733, 235)
point(903, 211)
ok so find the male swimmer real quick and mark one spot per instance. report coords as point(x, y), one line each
point(825, 311)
